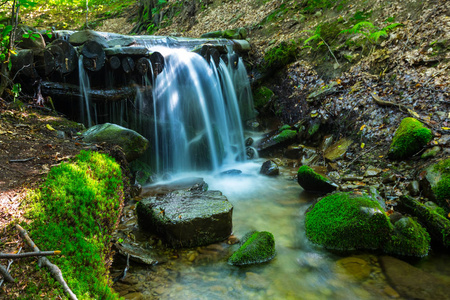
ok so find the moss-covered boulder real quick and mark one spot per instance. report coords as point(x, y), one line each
point(261, 97)
point(132, 143)
point(75, 211)
point(187, 218)
point(311, 181)
point(437, 225)
point(255, 247)
point(411, 136)
point(409, 238)
point(436, 183)
point(347, 221)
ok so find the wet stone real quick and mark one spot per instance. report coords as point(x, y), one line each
point(269, 168)
point(187, 218)
point(337, 150)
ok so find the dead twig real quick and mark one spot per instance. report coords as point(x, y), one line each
point(56, 272)
point(6, 274)
point(21, 160)
point(9, 265)
point(28, 254)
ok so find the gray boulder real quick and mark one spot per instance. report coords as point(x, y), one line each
point(186, 218)
point(132, 143)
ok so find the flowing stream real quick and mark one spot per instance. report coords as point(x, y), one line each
point(300, 270)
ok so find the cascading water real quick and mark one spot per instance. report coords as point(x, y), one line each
point(196, 113)
point(84, 96)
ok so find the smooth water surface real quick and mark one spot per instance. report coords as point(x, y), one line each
point(300, 270)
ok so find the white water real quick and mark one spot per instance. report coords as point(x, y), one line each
point(84, 89)
point(196, 113)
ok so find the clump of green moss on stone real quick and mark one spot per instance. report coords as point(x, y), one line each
point(261, 97)
point(442, 189)
point(309, 180)
point(346, 221)
point(280, 56)
point(256, 247)
point(409, 238)
point(285, 135)
point(409, 139)
point(75, 211)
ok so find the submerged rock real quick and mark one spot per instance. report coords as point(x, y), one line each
point(137, 254)
point(412, 282)
point(408, 239)
point(256, 247)
point(410, 137)
point(187, 219)
point(347, 221)
point(269, 168)
point(132, 143)
point(312, 181)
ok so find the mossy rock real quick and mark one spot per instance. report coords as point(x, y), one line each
point(285, 135)
point(261, 97)
point(309, 180)
point(347, 221)
point(411, 136)
point(409, 238)
point(256, 247)
point(280, 56)
point(442, 188)
point(132, 143)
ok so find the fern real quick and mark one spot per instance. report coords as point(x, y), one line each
point(370, 31)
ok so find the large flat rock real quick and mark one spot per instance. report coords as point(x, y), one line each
point(187, 218)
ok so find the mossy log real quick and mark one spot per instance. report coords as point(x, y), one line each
point(437, 226)
point(55, 89)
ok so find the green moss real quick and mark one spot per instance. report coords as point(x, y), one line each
point(285, 135)
point(346, 221)
point(284, 127)
point(409, 139)
point(261, 97)
point(308, 179)
point(280, 56)
point(442, 188)
point(256, 247)
point(75, 211)
point(408, 238)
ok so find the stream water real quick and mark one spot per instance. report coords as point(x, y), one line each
point(300, 269)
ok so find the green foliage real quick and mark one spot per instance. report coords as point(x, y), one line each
point(313, 5)
point(309, 180)
point(370, 31)
point(75, 211)
point(442, 188)
point(255, 247)
point(409, 239)
point(409, 139)
point(346, 221)
point(280, 55)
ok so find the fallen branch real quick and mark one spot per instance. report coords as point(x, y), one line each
point(9, 265)
point(28, 254)
point(6, 274)
point(56, 272)
point(21, 159)
point(402, 107)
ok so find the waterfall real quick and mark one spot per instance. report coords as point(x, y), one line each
point(84, 96)
point(196, 114)
point(191, 114)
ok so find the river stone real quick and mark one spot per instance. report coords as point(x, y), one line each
point(429, 153)
point(277, 139)
point(187, 218)
point(435, 182)
point(193, 184)
point(309, 180)
point(412, 282)
point(337, 150)
point(132, 143)
point(255, 247)
point(372, 171)
point(356, 267)
point(269, 168)
point(81, 37)
point(137, 254)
